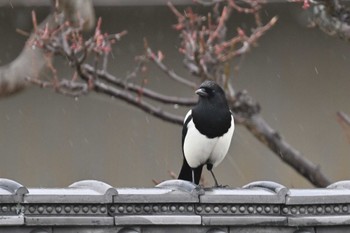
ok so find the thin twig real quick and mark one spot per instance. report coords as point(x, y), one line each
point(139, 103)
point(136, 88)
point(65, 87)
point(344, 121)
point(169, 72)
point(249, 41)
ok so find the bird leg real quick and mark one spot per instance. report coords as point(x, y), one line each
point(193, 176)
point(215, 180)
point(210, 168)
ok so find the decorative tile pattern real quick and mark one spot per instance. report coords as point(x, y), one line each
point(266, 204)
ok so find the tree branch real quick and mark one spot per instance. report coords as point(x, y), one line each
point(126, 96)
point(32, 61)
point(169, 72)
point(344, 121)
point(139, 103)
point(247, 113)
point(64, 86)
point(139, 89)
point(265, 134)
point(331, 16)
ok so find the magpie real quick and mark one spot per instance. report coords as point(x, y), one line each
point(206, 132)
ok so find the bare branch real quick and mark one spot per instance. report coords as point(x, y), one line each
point(254, 6)
point(137, 89)
point(247, 42)
point(344, 121)
point(220, 26)
point(32, 61)
point(65, 87)
point(265, 134)
point(169, 72)
point(208, 2)
point(344, 118)
point(331, 16)
point(137, 102)
point(247, 112)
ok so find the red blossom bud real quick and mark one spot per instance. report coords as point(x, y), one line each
point(240, 32)
point(160, 55)
point(306, 4)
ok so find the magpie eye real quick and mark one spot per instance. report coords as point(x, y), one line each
point(209, 91)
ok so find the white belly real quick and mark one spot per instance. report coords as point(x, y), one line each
point(198, 149)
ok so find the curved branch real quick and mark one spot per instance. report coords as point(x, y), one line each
point(344, 121)
point(332, 17)
point(343, 117)
point(126, 96)
point(250, 40)
point(247, 113)
point(64, 87)
point(169, 72)
point(32, 61)
point(137, 102)
point(138, 89)
point(265, 134)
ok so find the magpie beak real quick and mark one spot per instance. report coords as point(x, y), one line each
point(201, 92)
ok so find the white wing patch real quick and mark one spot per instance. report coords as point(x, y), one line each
point(187, 115)
point(199, 149)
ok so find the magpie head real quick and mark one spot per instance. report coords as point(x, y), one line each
point(210, 90)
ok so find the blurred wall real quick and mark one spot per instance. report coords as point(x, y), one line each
point(299, 75)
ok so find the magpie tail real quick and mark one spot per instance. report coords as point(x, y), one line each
point(186, 172)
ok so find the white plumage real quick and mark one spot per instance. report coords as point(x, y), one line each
point(199, 149)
